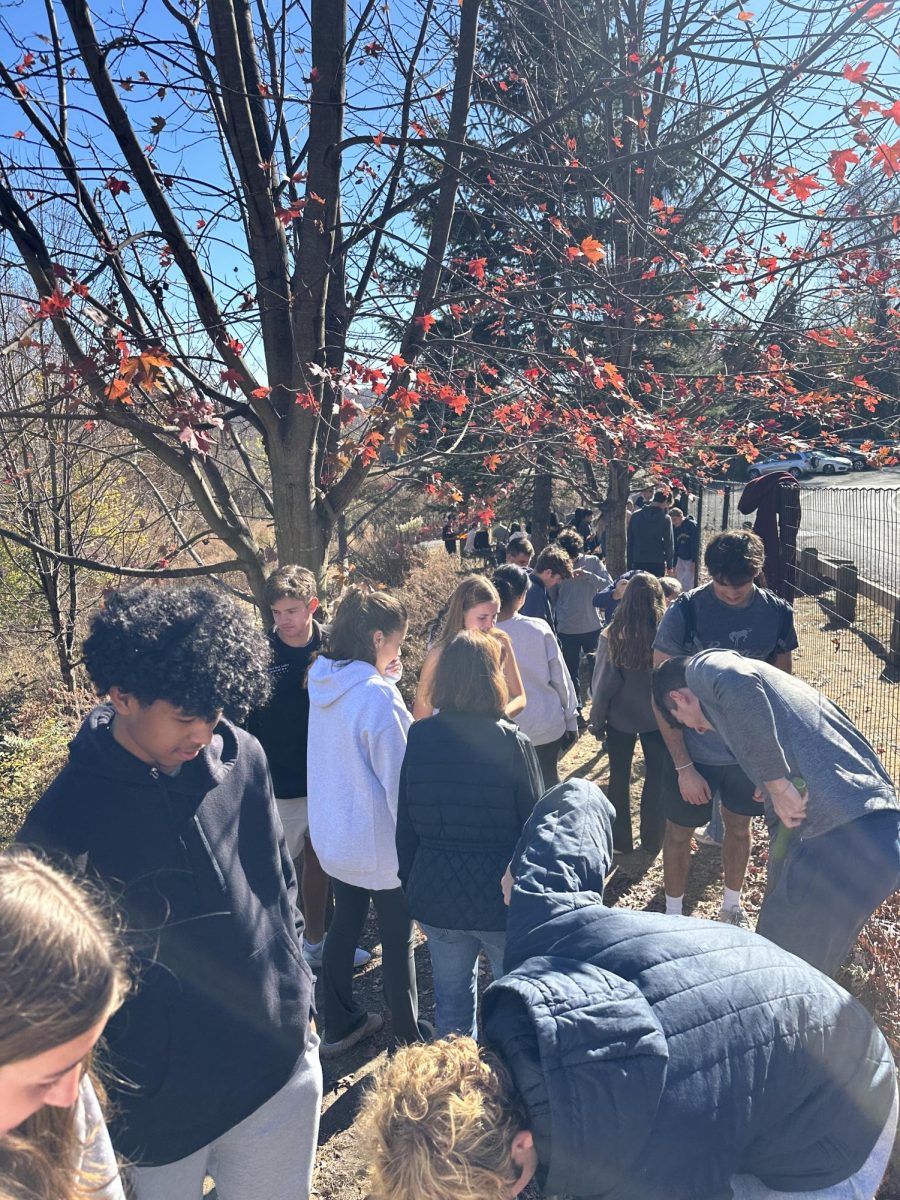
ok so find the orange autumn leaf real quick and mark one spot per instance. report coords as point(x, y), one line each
point(592, 250)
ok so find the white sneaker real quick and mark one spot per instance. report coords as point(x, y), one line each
point(312, 952)
point(703, 839)
point(734, 916)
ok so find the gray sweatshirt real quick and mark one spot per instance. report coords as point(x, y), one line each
point(620, 697)
point(575, 612)
point(778, 726)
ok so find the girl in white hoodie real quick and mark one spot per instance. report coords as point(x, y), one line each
point(357, 739)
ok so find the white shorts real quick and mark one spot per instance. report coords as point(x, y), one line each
point(294, 813)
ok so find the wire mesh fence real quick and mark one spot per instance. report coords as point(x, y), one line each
point(847, 595)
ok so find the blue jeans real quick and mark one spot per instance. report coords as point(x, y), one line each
point(829, 886)
point(454, 970)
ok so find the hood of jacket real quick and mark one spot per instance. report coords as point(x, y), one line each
point(589, 1061)
point(95, 750)
point(560, 864)
point(329, 680)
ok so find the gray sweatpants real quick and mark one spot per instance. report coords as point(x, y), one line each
point(267, 1156)
point(861, 1186)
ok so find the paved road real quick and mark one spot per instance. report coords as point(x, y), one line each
point(855, 516)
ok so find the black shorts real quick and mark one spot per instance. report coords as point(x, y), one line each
point(734, 788)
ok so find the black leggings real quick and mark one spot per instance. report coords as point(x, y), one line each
point(620, 747)
point(548, 758)
point(398, 968)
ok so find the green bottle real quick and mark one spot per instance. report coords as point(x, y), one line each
point(783, 838)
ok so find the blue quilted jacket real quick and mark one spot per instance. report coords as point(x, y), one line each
point(658, 1056)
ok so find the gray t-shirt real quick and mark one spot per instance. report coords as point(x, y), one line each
point(761, 629)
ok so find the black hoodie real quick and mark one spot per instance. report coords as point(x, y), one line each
point(196, 864)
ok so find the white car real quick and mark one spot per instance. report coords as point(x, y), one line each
point(826, 463)
point(793, 464)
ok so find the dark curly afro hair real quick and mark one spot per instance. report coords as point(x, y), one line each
point(190, 646)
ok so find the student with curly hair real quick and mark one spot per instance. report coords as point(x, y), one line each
point(622, 710)
point(62, 975)
point(469, 782)
point(357, 738)
point(632, 1054)
point(214, 1061)
point(473, 605)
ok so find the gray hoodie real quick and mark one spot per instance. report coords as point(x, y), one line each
point(357, 739)
point(777, 726)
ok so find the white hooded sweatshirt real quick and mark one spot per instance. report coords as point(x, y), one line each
point(357, 739)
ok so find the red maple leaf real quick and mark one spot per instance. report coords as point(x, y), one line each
point(888, 156)
point(118, 185)
point(857, 74)
point(803, 186)
point(396, 362)
point(476, 268)
point(458, 402)
point(893, 111)
point(306, 400)
point(426, 321)
point(838, 161)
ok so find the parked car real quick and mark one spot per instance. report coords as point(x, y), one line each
point(794, 464)
point(826, 463)
point(859, 459)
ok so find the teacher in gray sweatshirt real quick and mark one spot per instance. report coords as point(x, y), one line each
point(831, 807)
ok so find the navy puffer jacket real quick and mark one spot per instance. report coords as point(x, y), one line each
point(467, 787)
point(658, 1056)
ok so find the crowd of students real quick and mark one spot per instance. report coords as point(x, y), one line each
point(622, 1053)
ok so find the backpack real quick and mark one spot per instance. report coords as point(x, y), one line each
point(689, 613)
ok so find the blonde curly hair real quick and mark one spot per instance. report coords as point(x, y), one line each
point(439, 1125)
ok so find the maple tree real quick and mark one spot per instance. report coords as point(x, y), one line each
point(252, 298)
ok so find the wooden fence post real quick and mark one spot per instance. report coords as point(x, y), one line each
point(846, 589)
point(895, 637)
point(808, 569)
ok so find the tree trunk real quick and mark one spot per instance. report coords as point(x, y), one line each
point(614, 512)
point(542, 502)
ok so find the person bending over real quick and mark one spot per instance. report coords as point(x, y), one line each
point(631, 1056)
point(835, 853)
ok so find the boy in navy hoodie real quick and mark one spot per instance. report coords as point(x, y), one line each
point(214, 1061)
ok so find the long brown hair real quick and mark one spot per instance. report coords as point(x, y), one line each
point(361, 613)
point(469, 593)
point(634, 624)
point(469, 677)
point(63, 970)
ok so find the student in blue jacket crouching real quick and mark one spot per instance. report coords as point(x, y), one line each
point(631, 1054)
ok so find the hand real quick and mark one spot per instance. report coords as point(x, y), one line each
point(693, 787)
point(506, 886)
point(787, 802)
point(568, 739)
point(394, 670)
point(758, 797)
